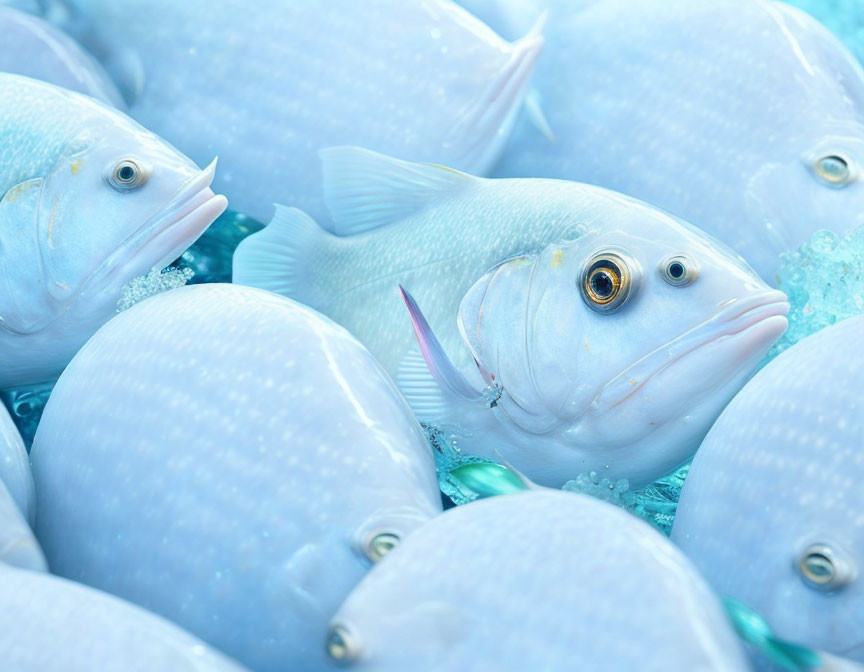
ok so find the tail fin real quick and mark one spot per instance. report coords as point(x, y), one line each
point(488, 121)
point(280, 258)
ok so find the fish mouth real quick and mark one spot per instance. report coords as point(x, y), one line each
point(736, 317)
point(164, 237)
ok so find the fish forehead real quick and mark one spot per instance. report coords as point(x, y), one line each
point(426, 58)
point(309, 364)
point(549, 607)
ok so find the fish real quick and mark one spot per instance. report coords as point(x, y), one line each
point(421, 79)
point(586, 331)
point(15, 471)
point(49, 623)
point(244, 461)
point(88, 200)
point(770, 512)
point(743, 117)
point(18, 546)
point(543, 580)
point(35, 48)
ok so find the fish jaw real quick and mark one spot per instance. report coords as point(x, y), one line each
point(163, 237)
point(757, 322)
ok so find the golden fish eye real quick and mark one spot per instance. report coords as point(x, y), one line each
point(380, 544)
point(127, 174)
point(834, 170)
point(607, 281)
point(340, 645)
point(820, 567)
point(679, 270)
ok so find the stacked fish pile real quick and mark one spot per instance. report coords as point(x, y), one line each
point(525, 262)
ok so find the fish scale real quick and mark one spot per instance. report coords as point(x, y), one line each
point(266, 89)
point(787, 451)
point(253, 443)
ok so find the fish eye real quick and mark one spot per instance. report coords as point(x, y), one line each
point(341, 646)
point(834, 170)
point(822, 568)
point(380, 544)
point(679, 270)
point(607, 281)
point(127, 174)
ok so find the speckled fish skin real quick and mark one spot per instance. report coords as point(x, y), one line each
point(545, 580)
point(419, 79)
point(69, 239)
point(34, 48)
point(629, 394)
point(48, 623)
point(778, 473)
point(18, 546)
point(15, 467)
point(715, 111)
point(223, 456)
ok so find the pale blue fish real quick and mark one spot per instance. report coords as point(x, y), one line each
point(15, 467)
point(49, 623)
point(18, 546)
point(744, 117)
point(33, 47)
point(544, 580)
point(233, 461)
point(772, 511)
point(266, 89)
point(88, 200)
point(607, 334)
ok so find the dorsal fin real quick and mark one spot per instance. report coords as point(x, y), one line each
point(364, 190)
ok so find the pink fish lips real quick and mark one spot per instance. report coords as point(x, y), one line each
point(169, 232)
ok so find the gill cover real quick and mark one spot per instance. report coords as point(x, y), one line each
point(26, 305)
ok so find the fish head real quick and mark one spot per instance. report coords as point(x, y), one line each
point(813, 182)
point(634, 335)
point(118, 202)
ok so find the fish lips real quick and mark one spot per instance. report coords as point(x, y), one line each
point(765, 312)
point(166, 235)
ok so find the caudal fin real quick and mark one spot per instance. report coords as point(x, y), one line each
point(487, 122)
point(280, 257)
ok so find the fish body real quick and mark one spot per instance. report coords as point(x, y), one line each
point(498, 268)
point(541, 580)
point(266, 89)
point(745, 118)
point(49, 623)
point(15, 467)
point(88, 200)
point(18, 546)
point(771, 509)
point(34, 48)
point(232, 461)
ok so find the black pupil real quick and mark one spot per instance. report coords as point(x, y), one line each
point(602, 284)
point(676, 270)
point(126, 173)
